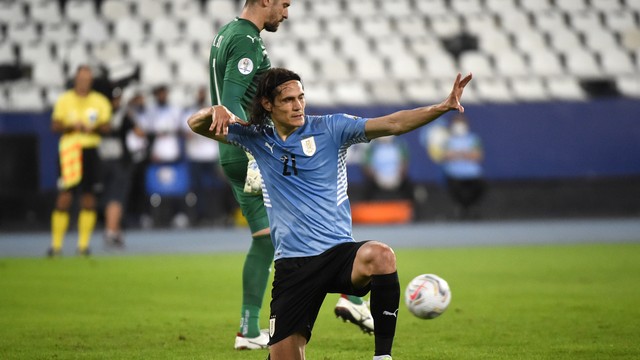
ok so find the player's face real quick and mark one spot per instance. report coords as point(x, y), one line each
point(287, 110)
point(279, 11)
point(83, 81)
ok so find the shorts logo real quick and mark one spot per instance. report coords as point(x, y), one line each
point(245, 66)
point(272, 326)
point(308, 146)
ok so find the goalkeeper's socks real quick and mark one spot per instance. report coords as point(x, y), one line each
point(255, 277)
point(385, 298)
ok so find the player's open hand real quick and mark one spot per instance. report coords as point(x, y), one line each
point(453, 101)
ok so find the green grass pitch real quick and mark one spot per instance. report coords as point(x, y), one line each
point(519, 302)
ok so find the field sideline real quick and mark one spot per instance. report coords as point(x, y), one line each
point(537, 300)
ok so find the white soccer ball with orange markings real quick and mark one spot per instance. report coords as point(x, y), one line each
point(427, 296)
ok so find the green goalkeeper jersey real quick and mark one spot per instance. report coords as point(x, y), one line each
point(237, 59)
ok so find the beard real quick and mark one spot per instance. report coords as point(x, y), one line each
point(272, 26)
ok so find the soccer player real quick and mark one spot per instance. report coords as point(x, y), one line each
point(81, 115)
point(302, 162)
point(237, 59)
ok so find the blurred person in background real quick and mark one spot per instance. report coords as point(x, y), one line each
point(117, 169)
point(462, 166)
point(386, 170)
point(81, 115)
point(208, 188)
point(237, 59)
point(163, 124)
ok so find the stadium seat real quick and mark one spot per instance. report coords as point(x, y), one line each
point(150, 9)
point(370, 68)
point(340, 26)
point(529, 42)
point(80, 10)
point(529, 89)
point(221, 10)
point(306, 28)
point(467, 6)
point(587, 20)
point(405, 67)
point(112, 10)
point(565, 41)
point(45, 12)
point(93, 31)
point(22, 33)
point(180, 50)
point(317, 49)
point(514, 22)
point(361, 9)
point(307, 69)
point(390, 46)
point(582, 64)
point(494, 42)
point(141, 51)
point(571, 6)
point(606, 5)
point(620, 21)
point(511, 64)
point(355, 46)
point(185, 10)
point(446, 25)
point(535, 5)
point(501, 6)
point(376, 26)
point(412, 26)
point(387, 92)
point(129, 29)
point(494, 90)
point(156, 72)
point(199, 29)
point(60, 34)
point(477, 63)
point(192, 72)
point(109, 51)
point(166, 29)
point(440, 66)
point(617, 63)
point(325, 9)
point(424, 91)
point(12, 12)
point(34, 52)
point(351, 93)
point(565, 88)
point(600, 40)
point(73, 54)
point(26, 97)
point(550, 21)
point(480, 23)
point(545, 63)
point(628, 86)
point(318, 94)
point(48, 74)
point(425, 45)
point(335, 69)
point(432, 8)
point(8, 53)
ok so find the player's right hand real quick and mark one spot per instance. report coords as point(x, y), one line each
point(221, 118)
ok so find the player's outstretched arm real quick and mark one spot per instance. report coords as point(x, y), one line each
point(213, 122)
point(407, 120)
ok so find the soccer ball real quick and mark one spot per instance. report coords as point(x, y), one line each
point(427, 296)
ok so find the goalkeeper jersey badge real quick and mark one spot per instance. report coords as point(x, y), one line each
point(308, 146)
point(245, 66)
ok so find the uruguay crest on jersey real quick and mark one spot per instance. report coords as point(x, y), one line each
point(308, 146)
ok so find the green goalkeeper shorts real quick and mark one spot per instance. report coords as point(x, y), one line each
point(252, 205)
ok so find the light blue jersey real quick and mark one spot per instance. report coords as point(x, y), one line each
point(305, 181)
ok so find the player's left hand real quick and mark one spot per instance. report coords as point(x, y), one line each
point(221, 118)
point(453, 101)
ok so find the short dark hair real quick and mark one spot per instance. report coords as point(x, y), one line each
point(268, 89)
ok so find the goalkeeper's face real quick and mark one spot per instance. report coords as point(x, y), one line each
point(287, 109)
point(279, 11)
